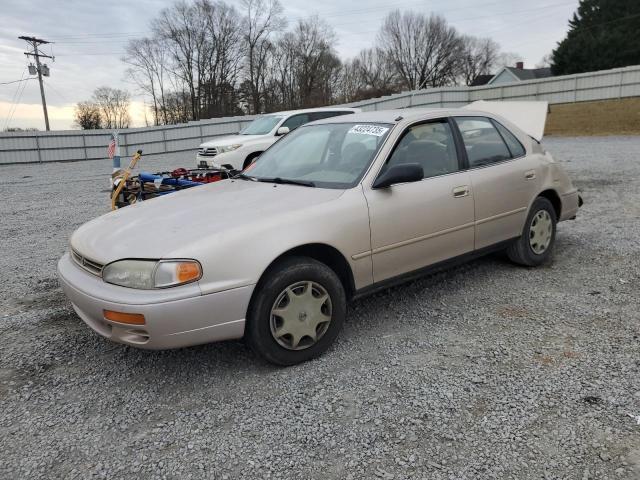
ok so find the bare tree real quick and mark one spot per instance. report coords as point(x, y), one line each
point(377, 71)
point(222, 61)
point(478, 57)
point(177, 107)
point(507, 59)
point(315, 62)
point(148, 60)
point(204, 45)
point(545, 62)
point(183, 30)
point(87, 116)
point(351, 83)
point(262, 19)
point(424, 50)
point(114, 106)
point(205, 59)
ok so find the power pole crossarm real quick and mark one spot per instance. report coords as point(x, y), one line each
point(34, 42)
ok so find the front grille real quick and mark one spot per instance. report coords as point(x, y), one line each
point(90, 266)
point(208, 152)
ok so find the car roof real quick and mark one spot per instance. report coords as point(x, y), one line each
point(401, 114)
point(319, 109)
point(410, 115)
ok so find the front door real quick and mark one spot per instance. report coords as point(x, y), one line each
point(417, 224)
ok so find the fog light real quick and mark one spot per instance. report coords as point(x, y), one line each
point(121, 317)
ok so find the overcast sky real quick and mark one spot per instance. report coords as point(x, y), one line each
point(90, 37)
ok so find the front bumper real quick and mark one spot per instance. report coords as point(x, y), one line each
point(173, 318)
point(234, 159)
point(206, 162)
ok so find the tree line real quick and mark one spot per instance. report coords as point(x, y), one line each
point(207, 58)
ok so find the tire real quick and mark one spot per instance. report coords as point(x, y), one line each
point(250, 159)
point(535, 245)
point(295, 287)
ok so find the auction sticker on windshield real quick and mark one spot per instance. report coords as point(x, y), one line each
point(376, 130)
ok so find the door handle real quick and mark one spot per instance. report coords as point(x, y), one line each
point(461, 191)
point(530, 175)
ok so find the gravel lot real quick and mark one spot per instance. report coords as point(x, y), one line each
point(484, 371)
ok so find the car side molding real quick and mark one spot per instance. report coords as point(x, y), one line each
point(430, 269)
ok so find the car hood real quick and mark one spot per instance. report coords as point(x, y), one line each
point(231, 140)
point(171, 223)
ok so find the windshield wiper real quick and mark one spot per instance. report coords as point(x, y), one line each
point(288, 181)
point(244, 176)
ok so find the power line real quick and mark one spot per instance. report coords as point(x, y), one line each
point(57, 92)
point(16, 101)
point(16, 81)
point(13, 99)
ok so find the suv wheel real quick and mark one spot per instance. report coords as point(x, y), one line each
point(297, 312)
point(535, 245)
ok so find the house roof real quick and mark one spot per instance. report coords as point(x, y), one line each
point(529, 73)
point(481, 80)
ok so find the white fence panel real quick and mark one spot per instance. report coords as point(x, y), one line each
point(70, 145)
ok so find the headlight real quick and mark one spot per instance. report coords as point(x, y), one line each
point(149, 274)
point(228, 148)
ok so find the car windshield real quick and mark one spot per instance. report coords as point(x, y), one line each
point(262, 125)
point(330, 155)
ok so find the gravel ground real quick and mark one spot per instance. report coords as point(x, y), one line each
point(484, 371)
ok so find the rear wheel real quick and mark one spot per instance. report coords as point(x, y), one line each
point(535, 245)
point(297, 312)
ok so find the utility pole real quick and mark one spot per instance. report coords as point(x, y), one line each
point(34, 42)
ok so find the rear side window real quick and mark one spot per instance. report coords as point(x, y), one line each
point(483, 143)
point(295, 121)
point(515, 147)
point(320, 115)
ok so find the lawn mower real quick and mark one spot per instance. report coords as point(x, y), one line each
point(128, 189)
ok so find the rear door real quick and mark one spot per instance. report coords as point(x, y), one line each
point(503, 179)
point(417, 224)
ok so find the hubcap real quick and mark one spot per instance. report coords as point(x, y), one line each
point(301, 315)
point(540, 232)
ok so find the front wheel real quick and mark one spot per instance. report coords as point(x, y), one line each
point(297, 312)
point(535, 245)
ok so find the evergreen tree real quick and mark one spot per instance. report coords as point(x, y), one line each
point(602, 34)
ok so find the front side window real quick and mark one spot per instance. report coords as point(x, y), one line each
point(430, 145)
point(483, 143)
point(330, 155)
point(262, 125)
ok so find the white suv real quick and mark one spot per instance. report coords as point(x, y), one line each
point(242, 149)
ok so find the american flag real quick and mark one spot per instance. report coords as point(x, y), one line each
point(111, 149)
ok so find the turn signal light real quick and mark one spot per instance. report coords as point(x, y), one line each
point(187, 272)
point(121, 317)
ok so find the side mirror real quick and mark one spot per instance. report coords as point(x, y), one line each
point(402, 173)
point(282, 131)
